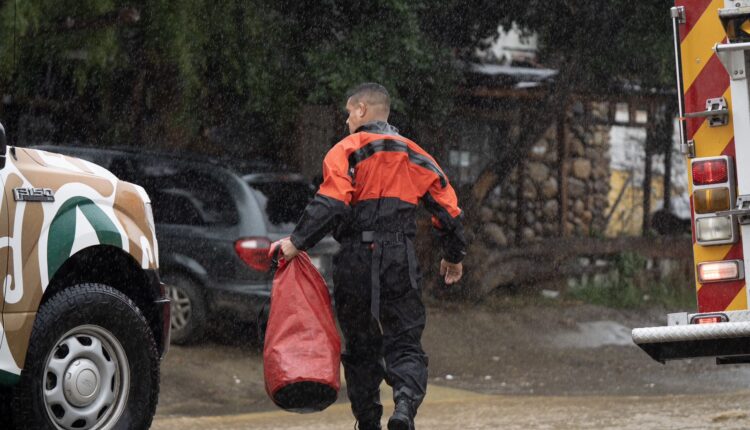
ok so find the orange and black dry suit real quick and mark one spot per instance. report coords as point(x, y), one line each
point(372, 183)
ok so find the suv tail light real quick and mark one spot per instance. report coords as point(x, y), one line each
point(710, 172)
point(254, 252)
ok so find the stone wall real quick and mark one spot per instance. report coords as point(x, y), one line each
point(513, 219)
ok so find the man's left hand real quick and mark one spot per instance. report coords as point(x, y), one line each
point(288, 250)
point(452, 271)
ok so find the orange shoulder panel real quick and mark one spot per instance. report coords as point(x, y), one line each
point(337, 183)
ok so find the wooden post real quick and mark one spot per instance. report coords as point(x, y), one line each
point(520, 201)
point(647, 173)
point(563, 151)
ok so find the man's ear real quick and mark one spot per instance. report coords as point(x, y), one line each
point(361, 109)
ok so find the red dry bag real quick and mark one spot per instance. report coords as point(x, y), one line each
point(302, 351)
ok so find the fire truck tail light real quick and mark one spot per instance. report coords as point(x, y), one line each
point(719, 271)
point(713, 229)
point(710, 172)
point(708, 320)
point(711, 200)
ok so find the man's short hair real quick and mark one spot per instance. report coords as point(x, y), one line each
point(371, 94)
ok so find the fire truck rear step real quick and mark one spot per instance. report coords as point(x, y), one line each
point(728, 340)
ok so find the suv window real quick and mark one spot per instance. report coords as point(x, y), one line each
point(176, 207)
point(282, 202)
point(180, 194)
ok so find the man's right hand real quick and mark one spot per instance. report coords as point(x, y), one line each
point(452, 271)
point(288, 250)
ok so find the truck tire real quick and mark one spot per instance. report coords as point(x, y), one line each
point(188, 314)
point(5, 410)
point(88, 334)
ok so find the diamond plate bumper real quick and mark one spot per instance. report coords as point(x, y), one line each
point(729, 339)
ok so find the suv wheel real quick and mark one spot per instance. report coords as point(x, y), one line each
point(92, 364)
point(188, 313)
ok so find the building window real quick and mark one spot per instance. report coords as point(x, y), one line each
point(622, 113)
point(641, 116)
point(461, 163)
point(477, 143)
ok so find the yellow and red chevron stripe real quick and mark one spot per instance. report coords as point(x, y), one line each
point(705, 78)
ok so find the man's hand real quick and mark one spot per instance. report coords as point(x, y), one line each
point(451, 271)
point(288, 250)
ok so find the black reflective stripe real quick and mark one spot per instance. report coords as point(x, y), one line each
point(422, 161)
point(439, 211)
point(373, 148)
point(388, 145)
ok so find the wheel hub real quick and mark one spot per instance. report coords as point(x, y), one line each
point(86, 381)
point(82, 382)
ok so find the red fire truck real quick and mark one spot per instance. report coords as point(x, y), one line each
point(712, 47)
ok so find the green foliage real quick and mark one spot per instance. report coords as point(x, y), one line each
point(189, 63)
point(414, 68)
point(252, 64)
point(631, 285)
point(596, 44)
point(78, 57)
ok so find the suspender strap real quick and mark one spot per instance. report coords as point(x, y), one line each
point(378, 239)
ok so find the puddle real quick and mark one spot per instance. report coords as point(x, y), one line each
point(594, 334)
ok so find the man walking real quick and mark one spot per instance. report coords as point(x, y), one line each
point(372, 183)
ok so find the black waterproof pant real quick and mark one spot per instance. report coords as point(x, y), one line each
point(371, 354)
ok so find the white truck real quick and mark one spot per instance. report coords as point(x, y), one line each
point(85, 318)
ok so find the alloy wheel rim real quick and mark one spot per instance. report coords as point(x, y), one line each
point(181, 308)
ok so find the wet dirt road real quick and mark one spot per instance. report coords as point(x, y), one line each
point(530, 368)
point(457, 409)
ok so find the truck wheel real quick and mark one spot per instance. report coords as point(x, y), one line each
point(188, 313)
point(92, 363)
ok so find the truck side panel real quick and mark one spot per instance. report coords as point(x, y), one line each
point(705, 78)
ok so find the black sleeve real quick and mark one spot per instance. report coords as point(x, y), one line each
point(449, 230)
point(330, 205)
point(321, 216)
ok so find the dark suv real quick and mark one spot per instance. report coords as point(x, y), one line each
point(215, 222)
